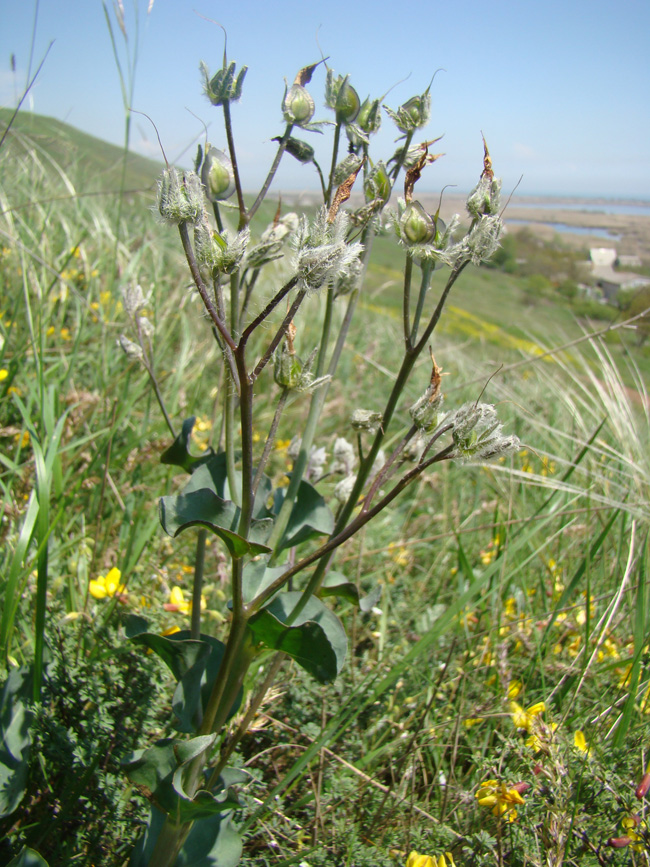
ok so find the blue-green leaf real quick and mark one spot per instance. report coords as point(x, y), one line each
point(258, 576)
point(316, 640)
point(310, 516)
point(28, 858)
point(157, 773)
point(178, 454)
point(15, 738)
point(200, 503)
point(212, 842)
point(195, 665)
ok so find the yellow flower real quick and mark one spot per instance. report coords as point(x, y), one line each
point(503, 801)
point(580, 742)
point(630, 825)
point(108, 585)
point(3, 374)
point(514, 688)
point(177, 602)
point(417, 860)
point(523, 719)
point(23, 439)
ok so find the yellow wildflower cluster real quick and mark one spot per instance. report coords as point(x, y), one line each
point(201, 433)
point(417, 860)
point(107, 585)
point(500, 798)
point(547, 465)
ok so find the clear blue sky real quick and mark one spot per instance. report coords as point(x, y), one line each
point(560, 88)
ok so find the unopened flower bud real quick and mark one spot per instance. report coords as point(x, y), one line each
point(417, 227)
point(132, 351)
point(369, 117)
point(485, 198)
point(377, 185)
point(413, 114)
point(347, 103)
point(642, 789)
point(348, 166)
point(180, 197)
point(619, 842)
point(146, 326)
point(317, 460)
point(287, 368)
point(344, 457)
point(344, 488)
point(365, 420)
point(297, 105)
point(424, 411)
point(217, 175)
point(224, 86)
point(300, 150)
point(342, 97)
point(134, 299)
point(477, 433)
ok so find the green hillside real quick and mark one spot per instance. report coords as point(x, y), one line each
point(95, 164)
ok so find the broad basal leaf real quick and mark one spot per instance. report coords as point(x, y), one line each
point(212, 842)
point(310, 516)
point(178, 454)
point(157, 773)
point(195, 665)
point(15, 738)
point(316, 640)
point(258, 576)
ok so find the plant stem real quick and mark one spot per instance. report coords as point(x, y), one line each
point(427, 271)
point(335, 151)
point(200, 285)
point(235, 168)
point(268, 445)
point(406, 301)
point(274, 167)
point(197, 586)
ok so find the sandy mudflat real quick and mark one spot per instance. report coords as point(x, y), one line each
point(633, 229)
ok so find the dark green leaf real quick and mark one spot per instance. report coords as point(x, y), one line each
point(134, 625)
point(206, 509)
point(258, 576)
point(28, 858)
point(336, 584)
point(212, 842)
point(157, 774)
point(178, 454)
point(316, 640)
point(15, 738)
point(310, 516)
point(195, 665)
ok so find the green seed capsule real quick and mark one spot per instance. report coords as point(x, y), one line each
point(417, 226)
point(217, 175)
point(347, 103)
point(298, 106)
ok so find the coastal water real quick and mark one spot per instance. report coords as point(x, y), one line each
point(635, 209)
point(573, 230)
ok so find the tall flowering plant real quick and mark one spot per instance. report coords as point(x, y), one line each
point(281, 542)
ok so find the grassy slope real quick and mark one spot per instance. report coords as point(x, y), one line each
point(466, 537)
point(99, 162)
